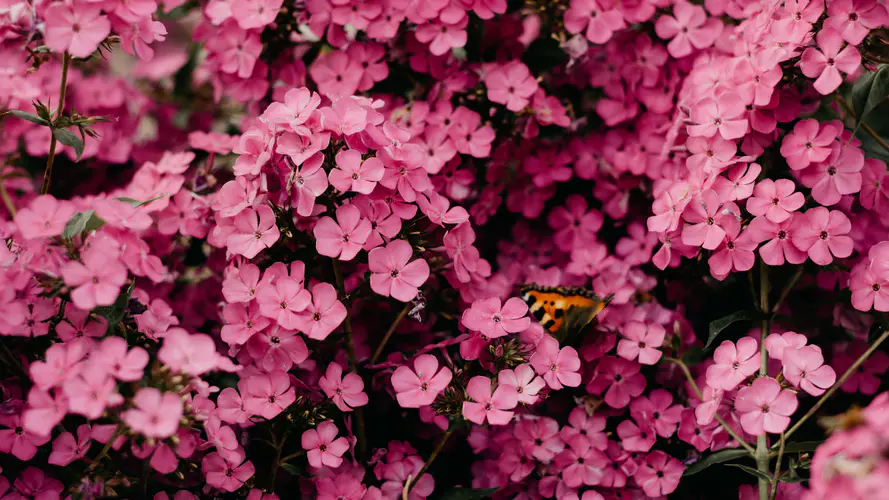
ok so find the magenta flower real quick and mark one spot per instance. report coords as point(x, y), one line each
point(839, 175)
point(809, 142)
point(306, 183)
point(855, 18)
point(619, 379)
point(765, 407)
point(658, 408)
point(344, 237)
point(346, 392)
point(659, 474)
point(18, 440)
point(44, 217)
point(780, 247)
point(636, 436)
point(268, 394)
point(354, 174)
point(488, 318)
point(323, 315)
point(822, 233)
point(255, 230)
point(705, 217)
point(597, 19)
point(222, 474)
point(581, 463)
point(688, 29)
point(298, 106)
point(641, 341)
point(775, 200)
point(420, 386)
point(283, 302)
point(97, 278)
point(486, 405)
point(394, 274)
point(323, 448)
point(558, 367)
point(242, 321)
point(723, 114)
point(76, 29)
point(154, 414)
point(277, 348)
point(825, 64)
point(66, 448)
point(733, 363)
point(735, 252)
point(123, 362)
point(336, 73)
point(511, 85)
point(804, 368)
point(524, 380)
point(61, 362)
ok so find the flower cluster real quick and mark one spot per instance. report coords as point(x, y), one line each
point(240, 248)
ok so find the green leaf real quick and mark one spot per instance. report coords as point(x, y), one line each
point(717, 326)
point(468, 494)
point(115, 312)
point(870, 90)
point(137, 203)
point(802, 446)
point(715, 458)
point(81, 223)
point(68, 138)
point(31, 117)
point(753, 472)
point(291, 469)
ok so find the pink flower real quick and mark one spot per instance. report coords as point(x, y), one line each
point(76, 29)
point(558, 367)
point(17, 440)
point(511, 85)
point(255, 13)
point(277, 349)
point(283, 302)
point(733, 363)
point(636, 437)
point(839, 175)
point(735, 253)
point(336, 73)
point(659, 474)
point(393, 275)
point(658, 408)
point(255, 230)
point(420, 386)
point(688, 29)
point(598, 19)
point(322, 449)
point(155, 414)
point(488, 318)
point(826, 64)
point(641, 340)
point(323, 315)
point(778, 344)
point(855, 18)
point(822, 233)
point(306, 183)
point(442, 37)
point(346, 392)
point(268, 394)
point(775, 200)
point(44, 217)
point(296, 109)
point(765, 407)
point(242, 321)
point(485, 405)
point(344, 237)
point(122, 362)
point(525, 382)
point(805, 368)
point(809, 142)
point(619, 379)
point(354, 174)
point(581, 463)
point(706, 217)
point(98, 278)
point(439, 211)
point(724, 114)
point(780, 248)
point(61, 362)
point(194, 354)
point(66, 448)
point(222, 474)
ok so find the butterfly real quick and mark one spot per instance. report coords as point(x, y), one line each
point(563, 311)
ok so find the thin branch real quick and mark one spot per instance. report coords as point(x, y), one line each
point(777, 473)
point(353, 360)
point(762, 446)
point(852, 369)
point(851, 112)
point(7, 201)
point(441, 442)
point(389, 332)
point(47, 174)
point(787, 289)
point(108, 444)
point(700, 396)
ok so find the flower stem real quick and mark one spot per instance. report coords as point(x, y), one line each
point(852, 369)
point(47, 174)
point(851, 112)
point(787, 289)
point(681, 364)
point(777, 473)
point(108, 444)
point(441, 442)
point(762, 446)
point(7, 201)
point(353, 360)
point(389, 332)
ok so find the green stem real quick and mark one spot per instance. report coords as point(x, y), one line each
point(681, 364)
point(284, 460)
point(852, 369)
point(389, 332)
point(787, 289)
point(108, 444)
point(353, 360)
point(851, 112)
point(762, 446)
point(777, 473)
point(7, 201)
point(47, 174)
point(441, 442)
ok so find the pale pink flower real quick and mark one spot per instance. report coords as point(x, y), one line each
point(733, 364)
point(485, 405)
point(323, 448)
point(154, 414)
point(420, 386)
point(346, 392)
point(765, 407)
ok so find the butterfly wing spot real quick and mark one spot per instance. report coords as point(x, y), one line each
point(563, 311)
